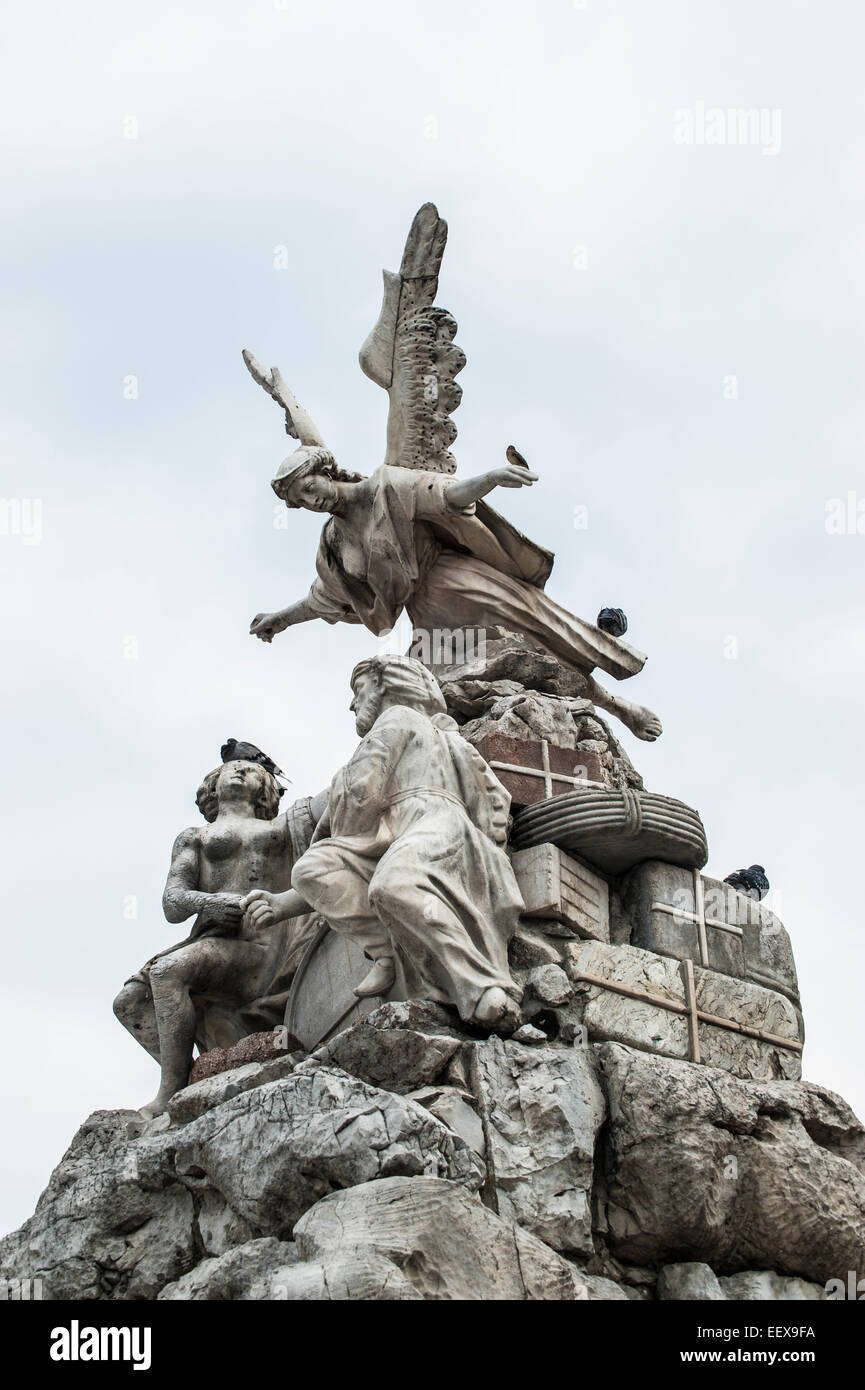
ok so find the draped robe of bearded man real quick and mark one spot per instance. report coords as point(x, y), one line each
point(413, 866)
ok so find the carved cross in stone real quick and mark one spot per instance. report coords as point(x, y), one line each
point(547, 780)
point(689, 1008)
point(699, 917)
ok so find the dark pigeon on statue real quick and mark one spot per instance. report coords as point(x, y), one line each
point(752, 882)
point(613, 621)
point(248, 753)
point(515, 457)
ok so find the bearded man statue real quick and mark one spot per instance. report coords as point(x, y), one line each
point(409, 860)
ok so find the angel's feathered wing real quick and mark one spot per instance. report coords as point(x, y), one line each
point(411, 353)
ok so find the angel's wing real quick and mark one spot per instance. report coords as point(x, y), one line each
point(411, 353)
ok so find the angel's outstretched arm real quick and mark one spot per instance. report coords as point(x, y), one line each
point(465, 491)
point(267, 625)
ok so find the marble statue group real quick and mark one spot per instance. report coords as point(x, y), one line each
point(471, 1020)
point(405, 853)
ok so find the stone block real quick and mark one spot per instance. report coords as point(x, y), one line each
point(399, 1046)
point(236, 1275)
point(556, 885)
point(635, 997)
point(443, 1242)
point(759, 1285)
point(541, 1109)
point(692, 1282)
point(456, 1110)
point(698, 1282)
point(549, 986)
point(741, 937)
point(113, 1222)
point(553, 769)
point(219, 1228)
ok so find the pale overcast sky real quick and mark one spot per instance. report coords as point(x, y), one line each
point(669, 327)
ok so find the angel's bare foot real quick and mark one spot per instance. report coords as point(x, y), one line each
point(641, 721)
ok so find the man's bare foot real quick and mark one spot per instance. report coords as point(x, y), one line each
point(379, 980)
point(641, 721)
point(497, 1010)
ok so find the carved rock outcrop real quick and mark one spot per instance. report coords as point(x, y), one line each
point(737, 1174)
point(317, 1130)
point(113, 1222)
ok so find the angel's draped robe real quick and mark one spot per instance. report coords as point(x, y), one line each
point(403, 545)
point(414, 866)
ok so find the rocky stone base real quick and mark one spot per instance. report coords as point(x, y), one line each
point(511, 690)
point(410, 1159)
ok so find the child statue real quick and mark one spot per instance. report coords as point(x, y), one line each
point(229, 977)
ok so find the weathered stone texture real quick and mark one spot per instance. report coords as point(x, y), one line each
point(112, 1222)
point(737, 1174)
point(399, 1046)
point(762, 952)
point(443, 1240)
point(606, 978)
point(541, 1109)
point(258, 1047)
point(316, 1130)
point(204, 1095)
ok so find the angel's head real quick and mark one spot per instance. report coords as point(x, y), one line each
point(311, 478)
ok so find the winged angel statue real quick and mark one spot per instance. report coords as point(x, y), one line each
point(412, 536)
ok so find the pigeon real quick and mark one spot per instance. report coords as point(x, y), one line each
point(248, 753)
point(514, 456)
point(613, 621)
point(752, 882)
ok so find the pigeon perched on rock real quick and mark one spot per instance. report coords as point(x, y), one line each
point(248, 753)
point(752, 882)
point(613, 621)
